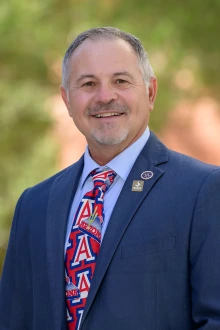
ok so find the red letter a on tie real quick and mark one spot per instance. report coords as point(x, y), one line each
point(83, 252)
point(85, 211)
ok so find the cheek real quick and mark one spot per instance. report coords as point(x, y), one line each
point(134, 98)
point(78, 105)
point(77, 102)
point(128, 99)
point(80, 99)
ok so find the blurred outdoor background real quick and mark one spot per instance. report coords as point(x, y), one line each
point(37, 138)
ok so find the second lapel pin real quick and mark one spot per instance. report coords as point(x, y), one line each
point(146, 175)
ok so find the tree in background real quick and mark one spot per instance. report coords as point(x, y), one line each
point(182, 42)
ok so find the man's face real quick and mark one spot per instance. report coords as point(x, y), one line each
point(106, 96)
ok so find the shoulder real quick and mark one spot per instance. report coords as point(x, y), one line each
point(47, 183)
point(42, 190)
point(187, 163)
point(179, 170)
point(176, 161)
point(197, 178)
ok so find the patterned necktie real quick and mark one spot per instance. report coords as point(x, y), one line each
point(84, 245)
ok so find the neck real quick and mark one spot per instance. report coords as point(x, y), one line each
point(104, 154)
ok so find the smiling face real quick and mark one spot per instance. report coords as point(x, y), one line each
point(106, 96)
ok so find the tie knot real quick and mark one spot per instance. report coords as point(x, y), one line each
point(103, 178)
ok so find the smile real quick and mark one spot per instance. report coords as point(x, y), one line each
point(108, 114)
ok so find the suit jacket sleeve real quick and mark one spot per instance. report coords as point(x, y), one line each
point(205, 255)
point(10, 308)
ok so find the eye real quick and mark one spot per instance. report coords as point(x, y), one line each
point(121, 81)
point(89, 84)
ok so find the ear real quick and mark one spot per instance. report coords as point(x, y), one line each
point(64, 95)
point(152, 92)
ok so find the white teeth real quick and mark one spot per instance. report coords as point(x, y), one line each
point(107, 114)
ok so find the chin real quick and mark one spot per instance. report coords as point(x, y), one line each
point(109, 139)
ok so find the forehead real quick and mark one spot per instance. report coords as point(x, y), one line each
point(104, 56)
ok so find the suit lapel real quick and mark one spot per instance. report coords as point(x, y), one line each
point(153, 154)
point(60, 200)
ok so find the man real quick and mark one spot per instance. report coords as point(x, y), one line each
point(158, 265)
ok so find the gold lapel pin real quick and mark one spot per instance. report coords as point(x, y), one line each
point(137, 185)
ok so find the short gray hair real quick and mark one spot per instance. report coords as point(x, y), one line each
point(108, 33)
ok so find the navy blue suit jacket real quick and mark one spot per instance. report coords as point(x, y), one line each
point(159, 263)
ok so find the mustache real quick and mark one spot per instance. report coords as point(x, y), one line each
point(117, 107)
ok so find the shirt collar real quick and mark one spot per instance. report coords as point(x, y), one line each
point(121, 164)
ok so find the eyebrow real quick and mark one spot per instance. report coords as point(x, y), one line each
point(83, 76)
point(121, 73)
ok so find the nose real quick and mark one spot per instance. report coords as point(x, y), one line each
point(105, 94)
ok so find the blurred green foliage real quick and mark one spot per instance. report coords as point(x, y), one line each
point(180, 38)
